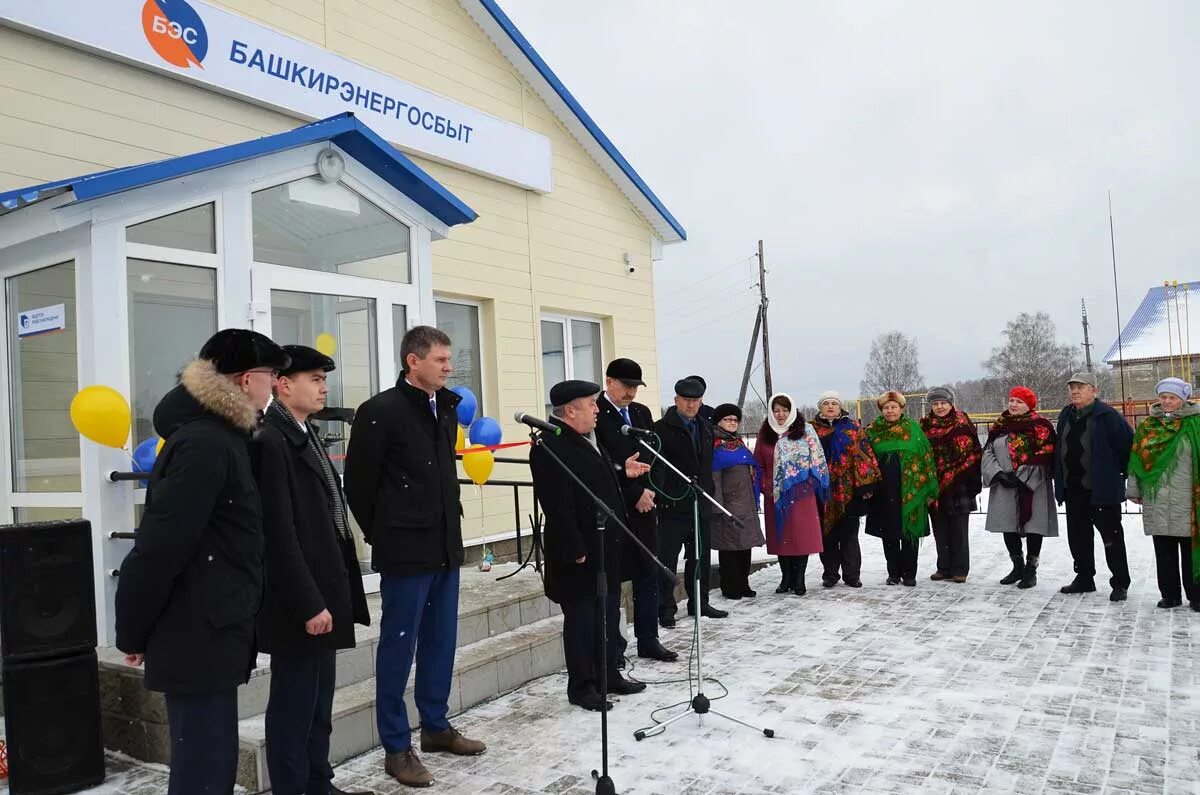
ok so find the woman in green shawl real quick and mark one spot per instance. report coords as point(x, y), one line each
point(899, 512)
point(1164, 476)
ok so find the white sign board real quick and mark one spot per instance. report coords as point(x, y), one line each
point(46, 320)
point(203, 44)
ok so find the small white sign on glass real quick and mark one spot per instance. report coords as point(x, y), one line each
point(47, 320)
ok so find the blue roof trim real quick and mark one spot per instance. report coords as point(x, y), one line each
point(547, 73)
point(354, 137)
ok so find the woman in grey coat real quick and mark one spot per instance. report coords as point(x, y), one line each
point(1018, 465)
point(736, 480)
point(1163, 478)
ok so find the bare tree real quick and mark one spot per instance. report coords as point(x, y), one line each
point(893, 363)
point(1032, 356)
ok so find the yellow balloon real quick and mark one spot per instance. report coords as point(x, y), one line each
point(158, 447)
point(101, 413)
point(460, 442)
point(326, 343)
point(478, 465)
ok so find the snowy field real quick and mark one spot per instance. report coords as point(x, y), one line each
point(940, 688)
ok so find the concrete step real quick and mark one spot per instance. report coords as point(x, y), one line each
point(482, 670)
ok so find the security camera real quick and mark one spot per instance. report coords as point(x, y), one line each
point(630, 268)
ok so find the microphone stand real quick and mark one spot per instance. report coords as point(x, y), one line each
point(604, 783)
point(700, 703)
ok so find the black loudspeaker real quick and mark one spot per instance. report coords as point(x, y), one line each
point(47, 601)
point(52, 715)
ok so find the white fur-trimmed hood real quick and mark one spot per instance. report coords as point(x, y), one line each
point(217, 394)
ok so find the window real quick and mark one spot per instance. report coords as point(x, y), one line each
point(172, 311)
point(461, 322)
point(300, 318)
point(192, 230)
point(43, 363)
point(327, 227)
point(571, 349)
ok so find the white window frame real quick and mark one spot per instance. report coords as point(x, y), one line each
point(481, 343)
point(568, 343)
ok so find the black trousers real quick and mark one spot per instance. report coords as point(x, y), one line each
point(1033, 541)
point(842, 551)
point(901, 555)
point(953, 547)
point(1082, 518)
point(734, 572)
point(204, 742)
point(299, 722)
point(581, 643)
point(676, 532)
point(1173, 559)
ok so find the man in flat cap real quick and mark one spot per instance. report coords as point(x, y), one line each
point(1091, 460)
point(314, 593)
point(705, 412)
point(189, 589)
point(618, 408)
point(402, 486)
point(687, 442)
point(575, 542)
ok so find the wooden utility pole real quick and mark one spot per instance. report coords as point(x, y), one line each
point(1087, 342)
point(766, 337)
point(750, 358)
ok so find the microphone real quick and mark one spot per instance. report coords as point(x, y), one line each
point(535, 422)
point(629, 430)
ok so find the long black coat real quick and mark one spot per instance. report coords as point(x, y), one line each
point(1111, 439)
point(189, 589)
point(690, 458)
point(619, 448)
point(309, 568)
point(401, 480)
point(571, 527)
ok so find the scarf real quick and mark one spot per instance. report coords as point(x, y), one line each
point(1030, 440)
point(918, 475)
point(956, 450)
point(800, 468)
point(1155, 455)
point(332, 483)
point(852, 465)
point(729, 452)
point(791, 417)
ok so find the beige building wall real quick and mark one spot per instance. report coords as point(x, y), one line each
point(64, 112)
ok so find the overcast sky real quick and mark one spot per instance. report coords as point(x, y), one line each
point(935, 168)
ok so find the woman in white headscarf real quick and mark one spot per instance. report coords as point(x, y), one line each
point(790, 457)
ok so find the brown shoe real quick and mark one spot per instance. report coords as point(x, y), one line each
point(450, 741)
point(405, 767)
point(959, 579)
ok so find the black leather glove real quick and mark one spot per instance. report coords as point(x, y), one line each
point(1007, 479)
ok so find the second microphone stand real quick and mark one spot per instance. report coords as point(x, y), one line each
point(700, 704)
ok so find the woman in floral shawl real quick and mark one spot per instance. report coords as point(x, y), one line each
point(899, 513)
point(956, 454)
point(853, 477)
point(736, 481)
point(790, 457)
point(1164, 476)
point(1018, 465)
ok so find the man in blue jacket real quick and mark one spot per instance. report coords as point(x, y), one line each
point(1091, 459)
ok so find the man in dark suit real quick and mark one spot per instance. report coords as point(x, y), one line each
point(575, 542)
point(617, 408)
point(314, 593)
point(687, 442)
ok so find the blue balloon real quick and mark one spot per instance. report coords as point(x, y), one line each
point(467, 406)
point(485, 431)
point(144, 456)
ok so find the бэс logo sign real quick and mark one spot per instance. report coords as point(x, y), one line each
point(175, 31)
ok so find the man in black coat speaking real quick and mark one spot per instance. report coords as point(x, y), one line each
point(189, 589)
point(314, 592)
point(618, 408)
point(574, 542)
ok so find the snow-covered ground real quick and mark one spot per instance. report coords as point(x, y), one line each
point(938, 688)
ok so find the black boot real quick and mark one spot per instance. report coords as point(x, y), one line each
point(799, 567)
point(785, 573)
point(1029, 578)
point(1018, 570)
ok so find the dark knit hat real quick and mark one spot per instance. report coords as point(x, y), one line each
point(940, 393)
point(236, 350)
point(689, 387)
point(627, 371)
point(726, 410)
point(564, 392)
point(306, 359)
